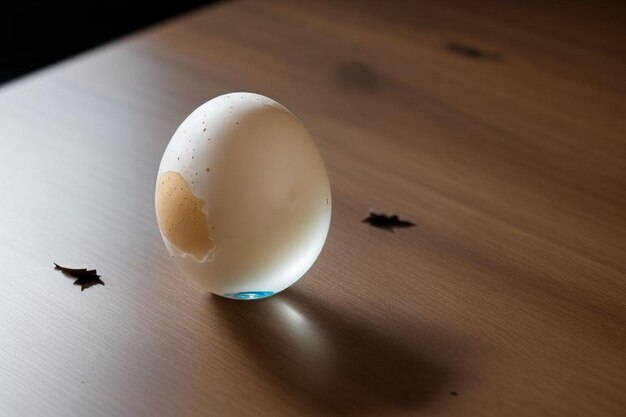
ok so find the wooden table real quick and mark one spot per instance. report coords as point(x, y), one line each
point(499, 128)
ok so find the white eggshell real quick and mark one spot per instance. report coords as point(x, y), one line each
point(261, 184)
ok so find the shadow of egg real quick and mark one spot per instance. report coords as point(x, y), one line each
point(331, 362)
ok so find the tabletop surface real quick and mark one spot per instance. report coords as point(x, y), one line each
point(498, 128)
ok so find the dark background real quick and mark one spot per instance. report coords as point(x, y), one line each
point(36, 33)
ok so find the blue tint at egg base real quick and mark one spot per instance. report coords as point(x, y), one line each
point(249, 295)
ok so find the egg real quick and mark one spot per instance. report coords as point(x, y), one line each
point(243, 200)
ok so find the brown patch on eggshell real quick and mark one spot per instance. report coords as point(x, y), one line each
point(181, 217)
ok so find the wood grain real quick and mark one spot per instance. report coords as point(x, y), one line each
point(507, 299)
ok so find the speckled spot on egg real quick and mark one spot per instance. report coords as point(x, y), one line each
point(181, 217)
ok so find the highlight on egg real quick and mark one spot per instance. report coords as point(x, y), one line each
point(242, 197)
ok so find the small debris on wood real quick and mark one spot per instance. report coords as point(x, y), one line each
point(386, 222)
point(84, 277)
point(471, 51)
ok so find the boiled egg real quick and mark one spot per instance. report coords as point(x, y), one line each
point(243, 200)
